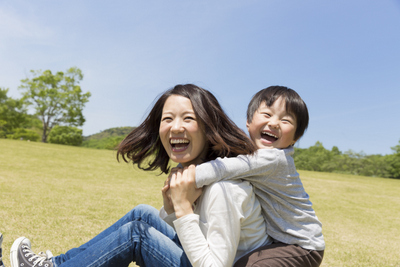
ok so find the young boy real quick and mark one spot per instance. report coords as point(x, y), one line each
point(276, 118)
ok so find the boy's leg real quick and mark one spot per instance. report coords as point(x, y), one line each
point(282, 255)
point(145, 213)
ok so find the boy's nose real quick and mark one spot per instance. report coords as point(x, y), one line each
point(273, 124)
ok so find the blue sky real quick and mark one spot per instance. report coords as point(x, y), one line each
point(342, 57)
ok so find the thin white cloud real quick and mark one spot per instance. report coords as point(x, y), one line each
point(14, 25)
point(20, 30)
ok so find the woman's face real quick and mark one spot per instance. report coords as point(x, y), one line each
point(181, 134)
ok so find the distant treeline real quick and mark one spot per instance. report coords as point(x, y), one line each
point(318, 158)
point(107, 139)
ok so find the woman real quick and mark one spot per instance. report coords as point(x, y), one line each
point(188, 126)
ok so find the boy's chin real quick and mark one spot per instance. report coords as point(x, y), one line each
point(264, 145)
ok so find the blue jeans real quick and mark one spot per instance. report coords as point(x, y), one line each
point(140, 236)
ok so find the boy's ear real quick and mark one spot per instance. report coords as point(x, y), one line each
point(294, 142)
point(247, 125)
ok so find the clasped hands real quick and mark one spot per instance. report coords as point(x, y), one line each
point(180, 192)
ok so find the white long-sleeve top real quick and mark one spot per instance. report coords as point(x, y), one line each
point(286, 206)
point(227, 223)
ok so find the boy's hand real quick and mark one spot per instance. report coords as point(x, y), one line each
point(183, 191)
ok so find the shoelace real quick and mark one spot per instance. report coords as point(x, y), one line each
point(38, 259)
point(48, 254)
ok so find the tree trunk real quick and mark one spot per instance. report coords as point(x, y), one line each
point(45, 133)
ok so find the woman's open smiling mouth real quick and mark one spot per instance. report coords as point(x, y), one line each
point(179, 145)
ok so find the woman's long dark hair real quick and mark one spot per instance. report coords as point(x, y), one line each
point(143, 145)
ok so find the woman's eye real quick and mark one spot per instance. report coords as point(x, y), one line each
point(166, 119)
point(190, 118)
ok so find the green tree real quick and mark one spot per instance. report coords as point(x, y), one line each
point(66, 135)
point(12, 113)
point(110, 142)
point(396, 149)
point(57, 98)
point(24, 134)
point(374, 165)
point(394, 162)
point(312, 159)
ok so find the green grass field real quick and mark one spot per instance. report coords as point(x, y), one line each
point(61, 196)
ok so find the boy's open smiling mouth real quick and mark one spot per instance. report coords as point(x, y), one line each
point(179, 145)
point(268, 136)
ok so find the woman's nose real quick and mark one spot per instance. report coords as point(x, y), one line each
point(177, 126)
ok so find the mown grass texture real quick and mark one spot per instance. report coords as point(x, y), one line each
point(62, 196)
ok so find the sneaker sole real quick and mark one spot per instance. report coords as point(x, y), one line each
point(14, 251)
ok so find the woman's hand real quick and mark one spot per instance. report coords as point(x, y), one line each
point(183, 191)
point(166, 193)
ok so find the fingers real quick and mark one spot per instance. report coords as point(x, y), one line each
point(187, 175)
point(165, 188)
point(176, 176)
point(191, 173)
point(166, 182)
point(175, 169)
point(184, 178)
point(173, 175)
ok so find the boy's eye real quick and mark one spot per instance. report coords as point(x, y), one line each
point(266, 114)
point(287, 121)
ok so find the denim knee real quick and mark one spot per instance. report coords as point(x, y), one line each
point(143, 212)
point(144, 208)
point(152, 247)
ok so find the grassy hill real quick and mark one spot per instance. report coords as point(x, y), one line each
point(107, 139)
point(61, 196)
point(112, 132)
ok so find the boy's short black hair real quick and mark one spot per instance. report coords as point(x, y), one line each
point(294, 105)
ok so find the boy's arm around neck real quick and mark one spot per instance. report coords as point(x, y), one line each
point(245, 167)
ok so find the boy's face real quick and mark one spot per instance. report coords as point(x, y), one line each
point(272, 127)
